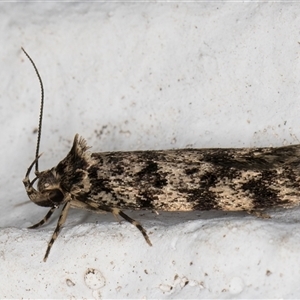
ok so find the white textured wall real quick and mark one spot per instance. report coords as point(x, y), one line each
point(147, 76)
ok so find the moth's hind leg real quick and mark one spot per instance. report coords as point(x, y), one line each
point(117, 211)
point(45, 219)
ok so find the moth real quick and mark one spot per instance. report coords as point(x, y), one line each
point(234, 179)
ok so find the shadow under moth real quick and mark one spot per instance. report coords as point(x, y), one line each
point(234, 179)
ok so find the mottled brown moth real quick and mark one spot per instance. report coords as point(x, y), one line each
point(242, 179)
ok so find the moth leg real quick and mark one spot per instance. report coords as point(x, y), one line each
point(46, 218)
point(117, 218)
point(155, 211)
point(117, 212)
point(61, 221)
point(133, 222)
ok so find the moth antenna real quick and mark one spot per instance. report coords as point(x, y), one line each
point(41, 113)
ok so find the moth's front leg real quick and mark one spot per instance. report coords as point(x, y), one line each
point(45, 219)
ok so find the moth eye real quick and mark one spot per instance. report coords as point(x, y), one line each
point(56, 196)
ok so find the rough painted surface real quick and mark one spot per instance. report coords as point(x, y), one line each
point(144, 76)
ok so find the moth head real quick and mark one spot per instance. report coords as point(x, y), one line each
point(48, 191)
